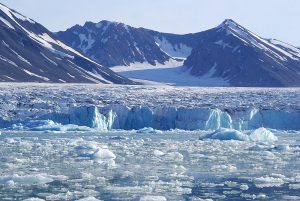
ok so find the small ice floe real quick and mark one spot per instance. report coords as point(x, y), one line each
point(158, 153)
point(244, 187)
point(118, 138)
point(269, 181)
point(226, 134)
point(224, 168)
point(283, 148)
point(103, 153)
point(153, 198)
point(174, 156)
point(96, 152)
point(149, 130)
point(33, 199)
point(294, 186)
point(179, 169)
point(89, 199)
point(28, 180)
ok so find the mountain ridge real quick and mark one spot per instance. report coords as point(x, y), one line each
point(242, 58)
point(31, 53)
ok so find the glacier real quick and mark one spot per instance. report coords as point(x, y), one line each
point(112, 117)
point(75, 107)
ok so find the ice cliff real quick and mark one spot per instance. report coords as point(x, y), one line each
point(165, 118)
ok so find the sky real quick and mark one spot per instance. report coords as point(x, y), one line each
point(278, 19)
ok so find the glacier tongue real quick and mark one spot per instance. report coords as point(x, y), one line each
point(166, 118)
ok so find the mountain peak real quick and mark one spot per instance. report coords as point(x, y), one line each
point(106, 23)
point(229, 23)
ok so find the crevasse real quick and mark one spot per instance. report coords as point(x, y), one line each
point(166, 118)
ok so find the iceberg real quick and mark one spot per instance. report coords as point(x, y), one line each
point(263, 135)
point(48, 125)
point(226, 134)
point(260, 135)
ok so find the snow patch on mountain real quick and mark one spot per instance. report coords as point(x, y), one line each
point(177, 50)
point(86, 42)
point(8, 61)
point(7, 23)
point(35, 75)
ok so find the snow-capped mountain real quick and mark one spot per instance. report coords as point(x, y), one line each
point(31, 53)
point(241, 58)
point(115, 44)
point(229, 54)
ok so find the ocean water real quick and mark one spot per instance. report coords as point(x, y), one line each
point(125, 165)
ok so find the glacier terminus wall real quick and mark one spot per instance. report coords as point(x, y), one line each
point(167, 118)
point(109, 107)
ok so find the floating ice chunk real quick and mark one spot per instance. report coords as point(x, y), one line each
point(268, 181)
point(89, 199)
point(179, 169)
point(263, 135)
point(283, 147)
point(158, 153)
point(244, 187)
point(49, 125)
point(290, 197)
point(294, 186)
point(153, 198)
point(226, 134)
point(103, 154)
point(175, 156)
point(87, 149)
point(222, 168)
point(35, 179)
point(149, 130)
point(33, 199)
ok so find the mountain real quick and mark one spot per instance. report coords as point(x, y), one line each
point(31, 53)
point(117, 44)
point(229, 55)
point(241, 58)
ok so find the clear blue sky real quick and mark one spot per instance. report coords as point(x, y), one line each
point(269, 18)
